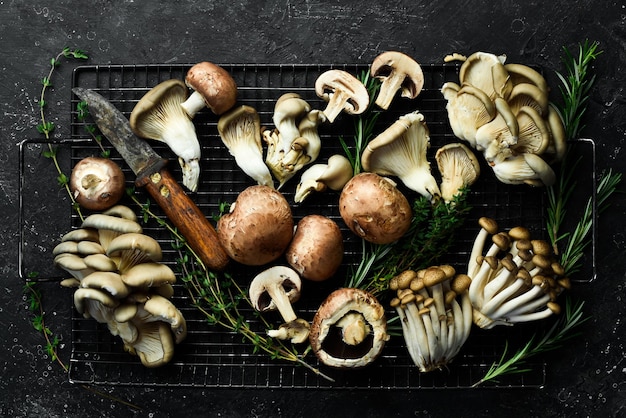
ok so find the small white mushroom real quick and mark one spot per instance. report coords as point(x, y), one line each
point(343, 92)
point(397, 72)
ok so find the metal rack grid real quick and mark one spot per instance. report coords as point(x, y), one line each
point(211, 357)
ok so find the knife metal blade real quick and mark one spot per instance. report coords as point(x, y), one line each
point(152, 174)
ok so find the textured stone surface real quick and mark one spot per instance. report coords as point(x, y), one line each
point(585, 378)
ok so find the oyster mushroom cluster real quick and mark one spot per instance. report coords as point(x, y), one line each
point(514, 279)
point(502, 110)
point(121, 282)
point(435, 312)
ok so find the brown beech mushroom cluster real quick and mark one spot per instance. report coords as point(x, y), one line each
point(349, 330)
point(121, 282)
point(515, 278)
point(97, 183)
point(435, 312)
point(502, 111)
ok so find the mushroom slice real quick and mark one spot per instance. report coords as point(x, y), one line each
point(401, 151)
point(276, 289)
point(343, 92)
point(486, 72)
point(349, 329)
point(468, 109)
point(213, 87)
point(459, 168)
point(133, 249)
point(159, 115)
point(397, 71)
point(240, 130)
point(319, 177)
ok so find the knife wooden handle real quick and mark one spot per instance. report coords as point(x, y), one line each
point(186, 217)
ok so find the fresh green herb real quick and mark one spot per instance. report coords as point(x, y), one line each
point(82, 111)
point(363, 124)
point(46, 127)
point(564, 329)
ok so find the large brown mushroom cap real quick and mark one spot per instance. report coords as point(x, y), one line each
point(214, 84)
point(316, 250)
point(374, 209)
point(349, 329)
point(258, 228)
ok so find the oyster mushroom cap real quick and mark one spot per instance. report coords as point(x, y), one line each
point(397, 71)
point(459, 168)
point(349, 329)
point(486, 72)
point(401, 151)
point(133, 249)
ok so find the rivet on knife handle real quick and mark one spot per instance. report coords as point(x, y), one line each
point(151, 174)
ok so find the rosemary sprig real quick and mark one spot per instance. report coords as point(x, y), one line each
point(46, 127)
point(564, 329)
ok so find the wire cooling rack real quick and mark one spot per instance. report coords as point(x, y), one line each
point(213, 357)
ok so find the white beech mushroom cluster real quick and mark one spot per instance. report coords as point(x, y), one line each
point(502, 110)
point(435, 312)
point(515, 278)
point(121, 282)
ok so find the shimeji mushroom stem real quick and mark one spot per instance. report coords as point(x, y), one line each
point(492, 304)
point(487, 227)
point(422, 337)
point(414, 337)
point(518, 302)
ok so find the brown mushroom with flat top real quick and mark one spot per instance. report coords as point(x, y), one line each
point(349, 329)
point(213, 87)
point(343, 92)
point(276, 289)
point(397, 71)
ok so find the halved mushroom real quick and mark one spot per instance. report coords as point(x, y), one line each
point(401, 150)
point(349, 329)
point(343, 92)
point(240, 130)
point(276, 289)
point(213, 87)
point(459, 168)
point(159, 115)
point(397, 71)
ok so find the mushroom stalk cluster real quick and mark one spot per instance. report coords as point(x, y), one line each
point(514, 279)
point(121, 282)
point(502, 110)
point(435, 312)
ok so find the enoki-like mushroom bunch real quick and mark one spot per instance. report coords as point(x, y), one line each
point(435, 313)
point(515, 279)
point(121, 282)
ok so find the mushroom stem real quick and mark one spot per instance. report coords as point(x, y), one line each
point(280, 298)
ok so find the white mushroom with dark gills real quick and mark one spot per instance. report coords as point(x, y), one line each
point(212, 86)
point(276, 289)
point(514, 279)
point(240, 130)
point(97, 183)
point(258, 228)
point(401, 151)
point(435, 312)
point(159, 116)
point(374, 209)
point(397, 72)
point(342, 92)
point(349, 329)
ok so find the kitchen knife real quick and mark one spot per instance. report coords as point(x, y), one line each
point(151, 173)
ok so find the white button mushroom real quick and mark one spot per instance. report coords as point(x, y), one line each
point(397, 71)
point(342, 92)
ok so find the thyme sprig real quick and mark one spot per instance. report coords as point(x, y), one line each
point(221, 299)
point(46, 127)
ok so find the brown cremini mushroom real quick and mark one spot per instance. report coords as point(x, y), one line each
point(97, 183)
point(213, 87)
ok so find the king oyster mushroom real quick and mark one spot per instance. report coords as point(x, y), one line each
point(349, 329)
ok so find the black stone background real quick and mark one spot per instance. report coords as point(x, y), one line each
point(585, 378)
